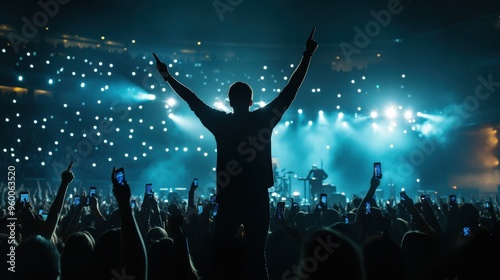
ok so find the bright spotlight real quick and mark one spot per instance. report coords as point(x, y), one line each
point(390, 113)
point(341, 115)
point(171, 102)
point(296, 194)
point(262, 104)
point(310, 123)
point(374, 114)
point(219, 105)
point(408, 115)
point(300, 111)
point(170, 115)
point(419, 114)
point(320, 112)
point(344, 124)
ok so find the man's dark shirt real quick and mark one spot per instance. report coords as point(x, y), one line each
point(243, 141)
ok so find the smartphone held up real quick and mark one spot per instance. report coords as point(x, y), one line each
point(120, 176)
point(377, 170)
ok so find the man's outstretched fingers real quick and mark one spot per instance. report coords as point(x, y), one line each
point(312, 33)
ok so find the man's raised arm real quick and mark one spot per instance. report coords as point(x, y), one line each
point(185, 93)
point(301, 71)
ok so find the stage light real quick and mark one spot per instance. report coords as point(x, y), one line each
point(170, 115)
point(390, 113)
point(310, 123)
point(341, 115)
point(262, 104)
point(408, 115)
point(320, 112)
point(419, 114)
point(20, 78)
point(418, 180)
point(82, 85)
point(300, 111)
point(344, 124)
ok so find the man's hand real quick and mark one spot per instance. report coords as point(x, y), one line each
point(162, 68)
point(67, 175)
point(311, 45)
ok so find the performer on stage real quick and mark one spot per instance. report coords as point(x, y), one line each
point(316, 177)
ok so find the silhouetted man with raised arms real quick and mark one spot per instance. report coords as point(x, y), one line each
point(244, 165)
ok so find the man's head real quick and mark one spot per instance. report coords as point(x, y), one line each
point(240, 95)
point(314, 167)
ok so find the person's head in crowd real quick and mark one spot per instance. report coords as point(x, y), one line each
point(282, 252)
point(106, 255)
point(153, 235)
point(164, 264)
point(37, 258)
point(328, 254)
point(76, 256)
point(383, 258)
point(330, 217)
point(161, 259)
point(419, 251)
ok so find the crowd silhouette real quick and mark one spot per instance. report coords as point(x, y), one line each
point(399, 239)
